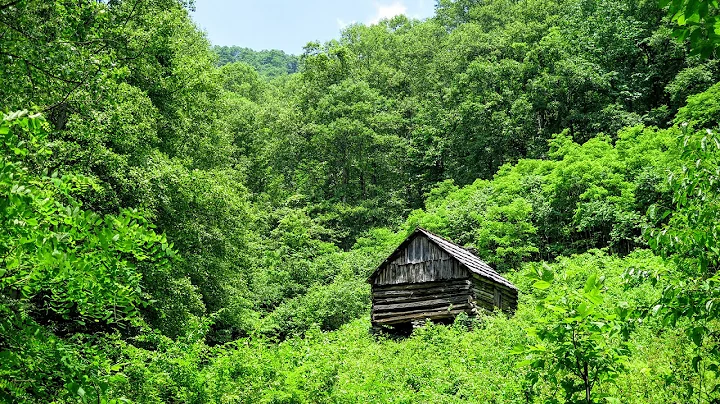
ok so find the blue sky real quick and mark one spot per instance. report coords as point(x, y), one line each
point(289, 25)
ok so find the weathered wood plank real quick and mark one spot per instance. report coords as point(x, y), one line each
point(485, 281)
point(483, 295)
point(421, 304)
point(420, 261)
point(418, 316)
point(418, 250)
point(424, 253)
point(417, 310)
point(414, 251)
point(420, 297)
point(423, 285)
point(411, 286)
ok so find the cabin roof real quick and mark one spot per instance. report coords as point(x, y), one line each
point(465, 257)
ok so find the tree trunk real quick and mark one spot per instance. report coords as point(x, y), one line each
point(586, 379)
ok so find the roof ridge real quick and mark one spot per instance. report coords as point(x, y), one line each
point(449, 241)
point(472, 262)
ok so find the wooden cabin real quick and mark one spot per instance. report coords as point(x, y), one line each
point(428, 277)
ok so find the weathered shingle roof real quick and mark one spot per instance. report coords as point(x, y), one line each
point(465, 257)
point(470, 260)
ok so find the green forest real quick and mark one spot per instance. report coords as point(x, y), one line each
point(188, 223)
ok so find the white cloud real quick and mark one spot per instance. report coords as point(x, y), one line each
point(383, 11)
point(343, 24)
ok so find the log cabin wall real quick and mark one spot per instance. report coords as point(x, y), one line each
point(429, 277)
point(421, 281)
point(395, 304)
point(489, 295)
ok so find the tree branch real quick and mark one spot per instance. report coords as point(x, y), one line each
point(8, 5)
point(68, 81)
point(29, 74)
point(72, 90)
point(16, 29)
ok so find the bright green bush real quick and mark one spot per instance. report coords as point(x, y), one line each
point(69, 278)
point(445, 364)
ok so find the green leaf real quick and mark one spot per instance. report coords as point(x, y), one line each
point(595, 297)
point(547, 273)
point(680, 19)
point(590, 284)
point(583, 309)
point(680, 34)
point(541, 285)
point(697, 334)
point(524, 363)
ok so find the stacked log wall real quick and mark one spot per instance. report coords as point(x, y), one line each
point(489, 295)
point(394, 304)
point(422, 281)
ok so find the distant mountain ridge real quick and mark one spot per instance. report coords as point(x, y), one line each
point(269, 63)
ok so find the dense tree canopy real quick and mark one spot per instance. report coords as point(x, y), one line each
point(269, 63)
point(187, 223)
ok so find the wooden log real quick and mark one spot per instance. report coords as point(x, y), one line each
point(420, 292)
point(417, 298)
point(422, 297)
point(482, 283)
point(508, 302)
point(422, 315)
point(443, 312)
point(493, 283)
point(483, 295)
point(421, 309)
point(423, 285)
point(421, 303)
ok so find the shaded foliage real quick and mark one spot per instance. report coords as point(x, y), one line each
point(196, 224)
point(268, 63)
